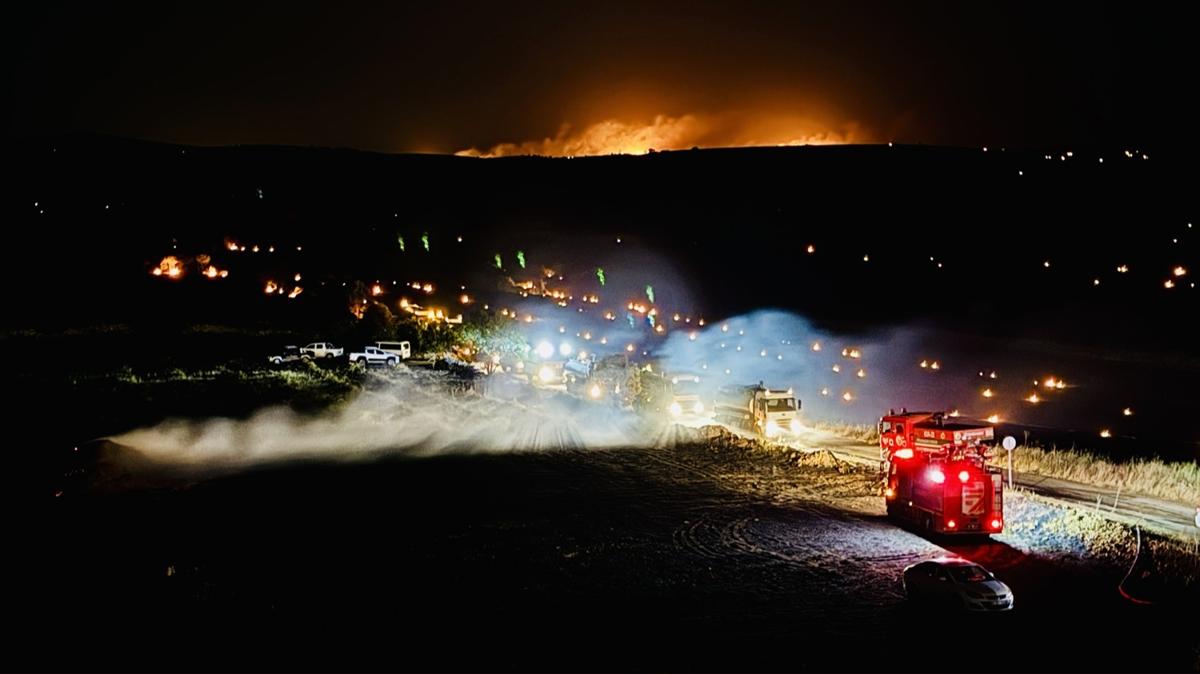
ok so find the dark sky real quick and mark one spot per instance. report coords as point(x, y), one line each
point(444, 76)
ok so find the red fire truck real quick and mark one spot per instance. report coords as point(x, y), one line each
point(936, 475)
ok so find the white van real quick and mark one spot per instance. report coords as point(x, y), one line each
point(402, 349)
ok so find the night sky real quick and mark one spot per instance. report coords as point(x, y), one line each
point(446, 77)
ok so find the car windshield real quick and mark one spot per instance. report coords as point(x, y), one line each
point(969, 574)
point(781, 404)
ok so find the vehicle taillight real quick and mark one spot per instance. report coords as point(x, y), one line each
point(936, 476)
point(950, 524)
point(963, 476)
point(996, 523)
point(906, 453)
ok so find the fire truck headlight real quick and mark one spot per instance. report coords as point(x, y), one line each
point(546, 374)
point(936, 476)
point(676, 409)
point(963, 476)
point(698, 408)
point(772, 429)
point(794, 427)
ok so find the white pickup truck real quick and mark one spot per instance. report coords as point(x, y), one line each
point(373, 355)
point(321, 350)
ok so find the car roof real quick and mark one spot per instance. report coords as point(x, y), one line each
point(953, 561)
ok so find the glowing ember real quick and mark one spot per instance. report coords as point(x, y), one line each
point(811, 249)
point(296, 278)
point(1169, 284)
point(837, 368)
point(848, 396)
point(295, 292)
point(1179, 271)
point(465, 299)
point(987, 393)
point(1105, 433)
point(1122, 269)
point(376, 290)
point(924, 364)
point(270, 288)
point(231, 245)
point(956, 414)
point(1033, 398)
point(629, 348)
point(861, 374)
point(824, 391)
point(994, 419)
point(816, 346)
point(1128, 411)
point(935, 365)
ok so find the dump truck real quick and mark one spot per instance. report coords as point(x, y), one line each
point(770, 413)
point(935, 473)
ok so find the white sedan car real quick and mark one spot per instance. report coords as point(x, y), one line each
point(956, 583)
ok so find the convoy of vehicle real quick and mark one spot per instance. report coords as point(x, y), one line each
point(935, 471)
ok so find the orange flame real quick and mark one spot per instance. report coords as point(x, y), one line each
point(664, 132)
point(170, 266)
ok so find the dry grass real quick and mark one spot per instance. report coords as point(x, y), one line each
point(1179, 482)
point(868, 434)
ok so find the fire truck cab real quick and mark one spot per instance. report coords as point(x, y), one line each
point(936, 476)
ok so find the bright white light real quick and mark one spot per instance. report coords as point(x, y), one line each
point(544, 350)
point(698, 408)
point(676, 409)
point(565, 349)
point(595, 391)
point(772, 429)
point(546, 374)
point(794, 426)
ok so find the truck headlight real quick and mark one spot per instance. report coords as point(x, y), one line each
point(795, 426)
point(676, 409)
point(698, 408)
point(546, 374)
point(772, 428)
